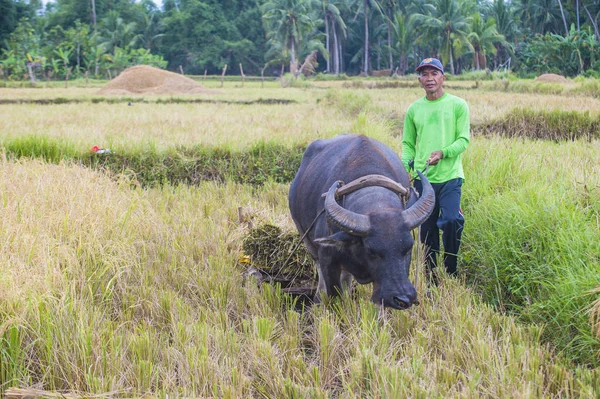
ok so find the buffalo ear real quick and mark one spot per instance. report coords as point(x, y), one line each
point(339, 240)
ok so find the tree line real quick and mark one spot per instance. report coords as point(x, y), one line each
point(102, 37)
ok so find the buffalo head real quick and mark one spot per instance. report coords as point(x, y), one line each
point(376, 246)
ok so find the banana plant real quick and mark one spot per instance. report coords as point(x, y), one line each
point(64, 54)
point(55, 64)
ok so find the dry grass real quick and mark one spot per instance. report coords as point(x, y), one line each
point(231, 91)
point(105, 288)
point(483, 105)
point(122, 127)
point(111, 289)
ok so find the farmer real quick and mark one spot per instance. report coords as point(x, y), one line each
point(436, 132)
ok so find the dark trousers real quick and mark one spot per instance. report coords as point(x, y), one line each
point(447, 217)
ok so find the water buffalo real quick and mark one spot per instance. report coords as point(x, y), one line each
point(368, 236)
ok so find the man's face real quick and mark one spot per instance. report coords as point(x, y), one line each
point(431, 79)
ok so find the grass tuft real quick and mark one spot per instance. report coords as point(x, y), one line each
point(46, 148)
point(546, 125)
point(262, 162)
point(352, 103)
point(532, 241)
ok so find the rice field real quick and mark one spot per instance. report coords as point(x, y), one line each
point(109, 287)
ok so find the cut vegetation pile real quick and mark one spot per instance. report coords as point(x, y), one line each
point(144, 79)
point(278, 257)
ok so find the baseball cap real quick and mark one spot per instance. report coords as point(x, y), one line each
point(431, 62)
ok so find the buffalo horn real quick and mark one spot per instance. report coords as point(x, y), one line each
point(420, 210)
point(352, 223)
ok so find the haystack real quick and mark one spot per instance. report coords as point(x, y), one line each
point(144, 79)
point(551, 78)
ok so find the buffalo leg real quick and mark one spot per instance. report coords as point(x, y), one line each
point(346, 280)
point(330, 279)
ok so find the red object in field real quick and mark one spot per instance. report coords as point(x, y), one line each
point(94, 148)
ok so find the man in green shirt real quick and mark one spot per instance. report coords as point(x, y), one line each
point(436, 132)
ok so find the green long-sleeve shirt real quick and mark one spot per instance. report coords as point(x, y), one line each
point(442, 124)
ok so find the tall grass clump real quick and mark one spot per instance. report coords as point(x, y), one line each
point(263, 161)
point(527, 86)
point(484, 75)
point(47, 148)
point(350, 102)
point(532, 243)
point(541, 124)
point(580, 86)
point(105, 289)
point(382, 84)
point(587, 87)
point(330, 77)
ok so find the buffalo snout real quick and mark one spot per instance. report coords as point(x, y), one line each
point(400, 300)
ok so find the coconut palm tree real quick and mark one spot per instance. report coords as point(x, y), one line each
point(403, 39)
point(482, 37)
point(389, 7)
point(118, 33)
point(366, 9)
point(148, 27)
point(288, 21)
point(506, 22)
point(547, 16)
point(562, 13)
point(589, 10)
point(334, 27)
point(448, 23)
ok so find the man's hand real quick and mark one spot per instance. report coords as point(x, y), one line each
point(435, 157)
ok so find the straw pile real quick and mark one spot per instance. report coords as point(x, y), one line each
point(551, 78)
point(144, 79)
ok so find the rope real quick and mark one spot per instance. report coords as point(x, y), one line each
point(302, 238)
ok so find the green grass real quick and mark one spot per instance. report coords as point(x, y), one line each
point(47, 148)
point(141, 294)
point(542, 124)
point(483, 75)
point(532, 242)
point(262, 162)
point(577, 87)
point(43, 84)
